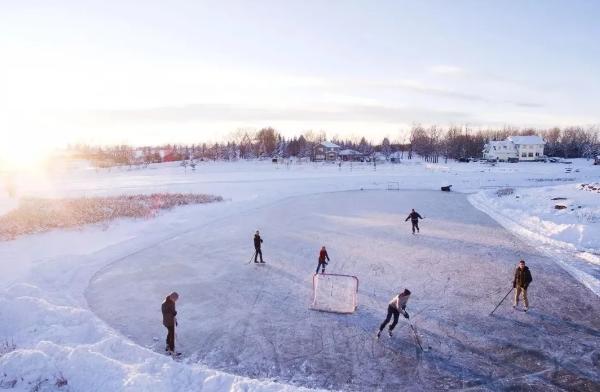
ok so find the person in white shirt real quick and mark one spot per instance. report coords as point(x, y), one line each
point(396, 306)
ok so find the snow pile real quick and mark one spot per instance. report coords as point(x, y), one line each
point(594, 187)
point(61, 345)
point(35, 215)
point(563, 221)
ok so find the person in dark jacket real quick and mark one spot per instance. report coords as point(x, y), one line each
point(396, 306)
point(322, 257)
point(414, 219)
point(521, 281)
point(258, 251)
point(170, 321)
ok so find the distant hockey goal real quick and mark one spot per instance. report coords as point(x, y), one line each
point(335, 293)
point(393, 186)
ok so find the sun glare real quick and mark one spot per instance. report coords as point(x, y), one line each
point(23, 157)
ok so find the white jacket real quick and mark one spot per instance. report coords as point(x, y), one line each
point(399, 301)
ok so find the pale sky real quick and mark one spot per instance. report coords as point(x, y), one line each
point(146, 72)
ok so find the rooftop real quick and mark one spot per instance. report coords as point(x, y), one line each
point(329, 145)
point(526, 140)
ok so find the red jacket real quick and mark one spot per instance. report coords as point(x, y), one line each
point(323, 255)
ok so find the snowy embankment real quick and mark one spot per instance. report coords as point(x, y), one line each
point(561, 221)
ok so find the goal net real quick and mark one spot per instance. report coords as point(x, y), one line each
point(335, 293)
point(393, 186)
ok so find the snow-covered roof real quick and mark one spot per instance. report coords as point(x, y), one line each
point(526, 139)
point(329, 145)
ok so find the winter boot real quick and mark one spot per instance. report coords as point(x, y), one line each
point(390, 333)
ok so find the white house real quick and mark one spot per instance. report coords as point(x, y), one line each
point(522, 148)
point(326, 151)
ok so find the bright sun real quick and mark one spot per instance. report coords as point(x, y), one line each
point(22, 156)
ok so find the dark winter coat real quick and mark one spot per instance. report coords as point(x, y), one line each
point(414, 217)
point(168, 312)
point(323, 255)
point(257, 241)
point(522, 278)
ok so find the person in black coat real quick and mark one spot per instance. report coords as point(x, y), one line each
point(521, 282)
point(414, 219)
point(257, 242)
point(170, 321)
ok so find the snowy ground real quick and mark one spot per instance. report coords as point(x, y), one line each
point(84, 304)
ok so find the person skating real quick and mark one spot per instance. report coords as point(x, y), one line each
point(322, 257)
point(396, 306)
point(257, 243)
point(521, 281)
point(170, 321)
point(414, 217)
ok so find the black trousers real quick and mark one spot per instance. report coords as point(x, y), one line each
point(391, 312)
point(322, 265)
point(415, 225)
point(171, 338)
point(258, 252)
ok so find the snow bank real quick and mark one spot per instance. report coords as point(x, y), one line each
point(562, 221)
point(59, 341)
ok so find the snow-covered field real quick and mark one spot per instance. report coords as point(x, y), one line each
point(82, 305)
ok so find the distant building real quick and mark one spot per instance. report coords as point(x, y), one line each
point(518, 148)
point(327, 151)
point(349, 155)
point(396, 157)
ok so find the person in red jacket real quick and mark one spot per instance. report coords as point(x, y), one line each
point(322, 257)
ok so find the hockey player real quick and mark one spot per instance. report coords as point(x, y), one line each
point(322, 257)
point(257, 242)
point(396, 306)
point(170, 321)
point(414, 219)
point(521, 281)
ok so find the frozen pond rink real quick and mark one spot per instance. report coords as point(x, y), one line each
point(254, 320)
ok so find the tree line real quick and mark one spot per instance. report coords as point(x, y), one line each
point(430, 143)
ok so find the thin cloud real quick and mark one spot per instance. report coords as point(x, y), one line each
point(446, 70)
point(245, 113)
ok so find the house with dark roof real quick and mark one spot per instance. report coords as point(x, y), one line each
point(326, 151)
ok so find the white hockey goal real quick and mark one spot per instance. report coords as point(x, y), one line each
point(393, 186)
point(335, 293)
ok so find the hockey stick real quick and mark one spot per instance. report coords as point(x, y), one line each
point(253, 256)
point(417, 337)
point(500, 303)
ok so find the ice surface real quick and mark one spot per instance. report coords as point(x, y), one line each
point(257, 321)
